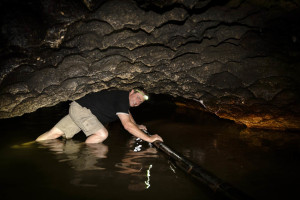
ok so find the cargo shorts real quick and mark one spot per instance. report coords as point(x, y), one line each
point(79, 118)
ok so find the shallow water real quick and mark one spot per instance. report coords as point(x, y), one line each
point(263, 164)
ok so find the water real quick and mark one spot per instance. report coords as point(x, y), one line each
point(263, 164)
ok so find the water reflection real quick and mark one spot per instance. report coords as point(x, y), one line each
point(135, 163)
point(79, 155)
point(268, 139)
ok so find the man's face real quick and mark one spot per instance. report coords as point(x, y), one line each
point(135, 99)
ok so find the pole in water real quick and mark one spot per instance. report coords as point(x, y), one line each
point(214, 183)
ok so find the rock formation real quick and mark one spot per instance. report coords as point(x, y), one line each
point(237, 59)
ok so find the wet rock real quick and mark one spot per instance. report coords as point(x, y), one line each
point(236, 59)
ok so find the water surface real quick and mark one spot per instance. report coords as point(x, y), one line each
point(263, 164)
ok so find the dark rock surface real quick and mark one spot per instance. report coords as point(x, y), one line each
point(237, 59)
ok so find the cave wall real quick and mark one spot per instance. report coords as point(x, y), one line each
point(237, 59)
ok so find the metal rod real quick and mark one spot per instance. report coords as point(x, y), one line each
point(214, 183)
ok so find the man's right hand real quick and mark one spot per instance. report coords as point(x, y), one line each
point(155, 137)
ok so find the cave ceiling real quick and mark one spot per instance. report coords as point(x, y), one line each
point(236, 59)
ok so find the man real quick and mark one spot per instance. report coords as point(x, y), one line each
point(93, 110)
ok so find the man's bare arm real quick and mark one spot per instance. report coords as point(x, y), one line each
point(132, 128)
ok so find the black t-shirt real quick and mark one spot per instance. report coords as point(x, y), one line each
point(106, 104)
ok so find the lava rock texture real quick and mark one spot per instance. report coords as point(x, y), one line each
point(238, 59)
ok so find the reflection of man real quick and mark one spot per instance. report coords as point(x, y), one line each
point(80, 157)
point(91, 111)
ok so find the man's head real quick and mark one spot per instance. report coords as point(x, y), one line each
point(137, 96)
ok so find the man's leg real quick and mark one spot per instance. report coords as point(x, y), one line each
point(98, 136)
point(49, 135)
point(88, 123)
point(65, 127)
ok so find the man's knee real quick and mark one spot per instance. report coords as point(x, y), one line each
point(102, 134)
point(98, 136)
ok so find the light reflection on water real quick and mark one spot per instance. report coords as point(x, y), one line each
point(131, 163)
point(90, 157)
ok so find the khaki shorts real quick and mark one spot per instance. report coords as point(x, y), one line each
point(79, 118)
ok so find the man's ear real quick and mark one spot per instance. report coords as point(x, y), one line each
point(131, 92)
